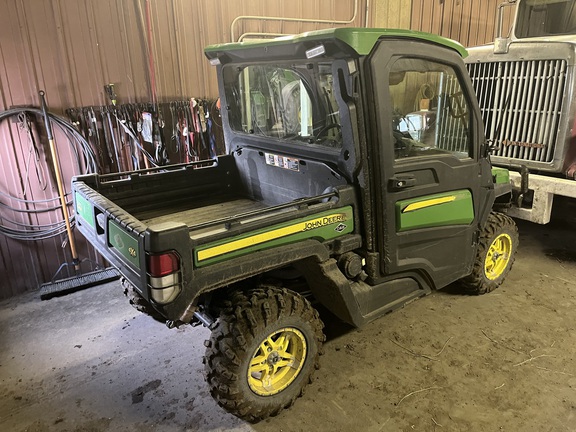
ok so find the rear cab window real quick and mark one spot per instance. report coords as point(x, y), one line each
point(294, 103)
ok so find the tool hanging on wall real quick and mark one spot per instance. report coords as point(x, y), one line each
point(133, 136)
point(79, 281)
point(58, 173)
point(122, 163)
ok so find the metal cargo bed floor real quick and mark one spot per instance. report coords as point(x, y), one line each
point(207, 213)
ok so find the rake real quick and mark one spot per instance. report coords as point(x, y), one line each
point(80, 280)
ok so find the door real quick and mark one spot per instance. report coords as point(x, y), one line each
point(433, 186)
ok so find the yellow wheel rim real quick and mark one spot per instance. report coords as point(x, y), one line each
point(498, 256)
point(277, 361)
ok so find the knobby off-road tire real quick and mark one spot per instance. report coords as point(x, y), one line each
point(263, 351)
point(496, 253)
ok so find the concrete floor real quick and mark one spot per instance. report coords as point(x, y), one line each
point(505, 361)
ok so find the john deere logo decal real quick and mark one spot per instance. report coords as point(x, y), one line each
point(118, 241)
point(320, 222)
point(341, 227)
point(324, 226)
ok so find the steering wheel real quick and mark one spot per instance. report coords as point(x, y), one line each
point(402, 145)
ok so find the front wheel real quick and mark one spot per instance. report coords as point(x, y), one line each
point(262, 351)
point(496, 253)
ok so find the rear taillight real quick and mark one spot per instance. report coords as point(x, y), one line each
point(164, 276)
point(164, 264)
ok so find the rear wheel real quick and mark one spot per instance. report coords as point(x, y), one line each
point(496, 253)
point(262, 351)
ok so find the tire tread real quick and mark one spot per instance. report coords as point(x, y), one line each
point(477, 283)
point(241, 317)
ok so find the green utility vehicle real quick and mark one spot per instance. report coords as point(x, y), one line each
point(356, 177)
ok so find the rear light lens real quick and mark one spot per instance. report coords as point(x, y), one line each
point(163, 264)
point(164, 276)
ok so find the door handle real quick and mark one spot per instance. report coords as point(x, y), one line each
point(402, 181)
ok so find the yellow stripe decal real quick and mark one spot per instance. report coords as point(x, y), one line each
point(427, 203)
point(264, 237)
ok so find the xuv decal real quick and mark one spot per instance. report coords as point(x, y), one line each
point(123, 244)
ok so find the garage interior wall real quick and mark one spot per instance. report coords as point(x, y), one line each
point(470, 22)
point(72, 48)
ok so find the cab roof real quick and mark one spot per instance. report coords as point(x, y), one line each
point(360, 40)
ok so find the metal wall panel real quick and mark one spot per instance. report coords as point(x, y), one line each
point(470, 22)
point(71, 49)
point(391, 14)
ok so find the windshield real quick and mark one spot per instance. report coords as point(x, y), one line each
point(545, 18)
point(289, 102)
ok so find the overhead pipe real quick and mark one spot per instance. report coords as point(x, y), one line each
point(366, 18)
point(260, 35)
point(301, 20)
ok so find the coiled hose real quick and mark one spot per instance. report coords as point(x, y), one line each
point(85, 164)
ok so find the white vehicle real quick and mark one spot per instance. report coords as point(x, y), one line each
point(525, 85)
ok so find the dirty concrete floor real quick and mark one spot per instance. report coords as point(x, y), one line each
point(449, 362)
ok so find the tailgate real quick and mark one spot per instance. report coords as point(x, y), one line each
point(122, 239)
point(117, 235)
point(130, 217)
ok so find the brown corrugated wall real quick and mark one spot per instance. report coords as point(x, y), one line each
point(71, 48)
point(470, 22)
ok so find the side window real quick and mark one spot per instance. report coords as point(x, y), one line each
point(430, 113)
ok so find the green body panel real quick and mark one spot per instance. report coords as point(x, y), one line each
point(125, 244)
point(501, 175)
point(84, 209)
point(360, 39)
point(449, 208)
point(322, 226)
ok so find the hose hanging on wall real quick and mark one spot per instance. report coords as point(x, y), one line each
point(85, 163)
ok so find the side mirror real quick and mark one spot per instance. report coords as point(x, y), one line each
point(489, 147)
point(501, 43)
